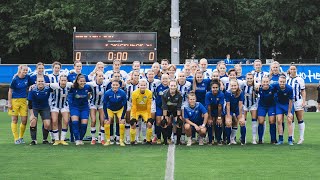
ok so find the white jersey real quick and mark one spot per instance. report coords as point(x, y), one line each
point(257, 76)
point(184, 90)
point(60, 95)
point(98, 91)
point(226, 82)
point(297, 84)
point(250, 98)
point(207, 74)
point(123, 75)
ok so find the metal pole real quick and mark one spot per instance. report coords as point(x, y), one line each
point(259, 45)
point(74, 30)
point(175, 32)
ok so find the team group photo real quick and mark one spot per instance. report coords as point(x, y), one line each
point(159, 89)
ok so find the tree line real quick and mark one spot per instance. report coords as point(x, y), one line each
point(41, 30)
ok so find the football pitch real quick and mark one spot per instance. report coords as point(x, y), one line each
point(150, 161)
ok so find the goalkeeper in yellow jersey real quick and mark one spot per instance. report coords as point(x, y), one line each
point(141, 109)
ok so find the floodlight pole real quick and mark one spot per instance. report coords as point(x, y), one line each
point(175, 32)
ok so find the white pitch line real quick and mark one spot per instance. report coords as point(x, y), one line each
point(170, 162)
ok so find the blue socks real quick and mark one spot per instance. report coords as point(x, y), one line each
point(260, 131)
point(75, 130)
point(280, 137)
point(210, 133)
point(83, 130)
point(111, 129)
point(243, 131)
point(218, 133)
point(273, 132)
point(228, 133)
point(117, 129)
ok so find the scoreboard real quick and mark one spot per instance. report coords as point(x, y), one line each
point(109, 46)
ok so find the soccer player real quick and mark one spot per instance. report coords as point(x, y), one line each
point(99, 67)
point(284, 105)
point(196, 118)
point(193, 67)
point(187, 71)
point(60, 104)
point(158, 93)
point(299, 94)
point(238, 69)
point(98, 87)
point(39, 73)
point(164, 66)
point(141, 108)
point(114, 105)
point(258, 74)
point(156, 69)
point(79, 107)
point(172, 71)
point(250, 104)
point(54, 77)
point(17, 102)
point(204, 68)
point(116, 68)
point(131, 86)
point(38, 104)
point(214, 102)
point(171, 105)
point(200, 86)
point(274, 73)
point(234, 112)
point(152, 86)
point(266, 105)
point(222, 69)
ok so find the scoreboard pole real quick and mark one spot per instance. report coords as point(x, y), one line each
point(175, 32)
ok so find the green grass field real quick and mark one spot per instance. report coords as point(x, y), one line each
point(149, 162)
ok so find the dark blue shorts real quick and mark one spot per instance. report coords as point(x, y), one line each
point(82, 113)
point(262, 111)
point(283, 109)
point(159, 111)
point(44, 113)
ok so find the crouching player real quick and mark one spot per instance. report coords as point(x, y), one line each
point(284, 105)
point(38, 104)
point(141, 108)
point(59, 103)
point(234, 99)
point(196, 117)
point(171, 105)
point(114, 105)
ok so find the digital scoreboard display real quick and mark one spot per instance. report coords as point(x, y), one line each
point(110, 46)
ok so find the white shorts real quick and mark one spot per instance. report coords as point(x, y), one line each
point(64, 109)
point(254, 107)
point(153, 106)
point(96, 107)
point(298, 105)
point(129, 104)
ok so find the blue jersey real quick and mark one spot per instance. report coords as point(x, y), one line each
point(39, 98)
point(267, 97)
point(159, 92)
point(33, 79)
point(274, 79)
point(201, 89)
point(233, 100)
point(283, 96)
point(214, 101)
point(242, 77)
point(110, 83)
point(115, 100)
point(79, 97)
point(72, 77)
point(20, 86)
point(195, 114)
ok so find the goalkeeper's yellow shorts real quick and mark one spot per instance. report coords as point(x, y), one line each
point(143, 114)
point(19, 107)
point(118, 113)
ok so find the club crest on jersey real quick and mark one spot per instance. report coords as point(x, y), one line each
point(160, 93)
point(218, 99)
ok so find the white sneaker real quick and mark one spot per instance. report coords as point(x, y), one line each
point(300, 141)
point(127, 142)
point(78, 143)
point(254, 141)
point(189, 142)
point(232, 141)
point(200, 141)
point(99, 139)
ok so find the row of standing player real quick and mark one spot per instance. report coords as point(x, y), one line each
point(198, 81)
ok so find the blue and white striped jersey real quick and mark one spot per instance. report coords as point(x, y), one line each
point(250, 98)
point(152, 86)
point(98, 91)
point(129, 89)
point(297, 84)
point(54, 78)
point(184, 90)
point(60, 95)
point(257, 76)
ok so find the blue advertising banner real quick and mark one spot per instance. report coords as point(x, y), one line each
point(310, 73)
